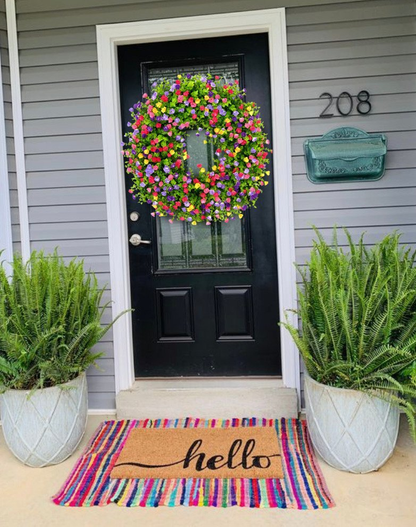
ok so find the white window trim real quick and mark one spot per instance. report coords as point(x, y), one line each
point(109, 37)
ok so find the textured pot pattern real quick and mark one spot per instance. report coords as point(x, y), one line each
point(45, 428)
point(350, 430)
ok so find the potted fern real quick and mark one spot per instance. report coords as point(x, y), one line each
point(50, 316)
point(358, 341)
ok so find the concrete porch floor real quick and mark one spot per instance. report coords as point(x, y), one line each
point(380, 499)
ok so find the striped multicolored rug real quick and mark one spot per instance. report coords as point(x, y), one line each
point(303, 486)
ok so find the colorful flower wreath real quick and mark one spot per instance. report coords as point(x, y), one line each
point(156, 151)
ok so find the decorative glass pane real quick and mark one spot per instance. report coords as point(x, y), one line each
point(182, 246)
point(226, 70)
point(231, 239)
point(198, 151)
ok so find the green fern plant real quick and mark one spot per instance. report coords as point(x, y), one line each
point(50, 315)
point(358, 318)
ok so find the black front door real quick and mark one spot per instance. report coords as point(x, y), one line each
point(205, 297)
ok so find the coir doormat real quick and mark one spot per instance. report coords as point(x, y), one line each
point(250, 452)
point(301, 487)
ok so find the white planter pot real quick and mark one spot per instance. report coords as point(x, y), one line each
point(350, 430)
point(45, 428)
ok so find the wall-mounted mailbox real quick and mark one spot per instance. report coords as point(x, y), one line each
point(345, 154)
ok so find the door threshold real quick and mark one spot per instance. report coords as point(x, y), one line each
point(207, 398)
point(184, 383)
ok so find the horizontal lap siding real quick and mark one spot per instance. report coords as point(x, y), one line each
point(333, 46)
point(341, 57)
point(350, 54)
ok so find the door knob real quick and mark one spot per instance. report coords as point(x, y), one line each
point(136, 239)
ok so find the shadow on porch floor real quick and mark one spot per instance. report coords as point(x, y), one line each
point(378, 499)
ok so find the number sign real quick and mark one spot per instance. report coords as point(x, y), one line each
point(345, 103)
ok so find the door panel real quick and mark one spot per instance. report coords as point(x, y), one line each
point(205, 297)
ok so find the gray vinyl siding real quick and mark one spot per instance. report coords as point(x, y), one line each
point(333, 46)
point(5, 71)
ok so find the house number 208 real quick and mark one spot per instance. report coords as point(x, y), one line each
point(345, 103)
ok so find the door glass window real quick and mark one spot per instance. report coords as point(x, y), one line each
point(229, 71)
point(182, 246)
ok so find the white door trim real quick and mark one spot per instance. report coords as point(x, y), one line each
point(6, 243)
point(18, 135)
point(271, 21)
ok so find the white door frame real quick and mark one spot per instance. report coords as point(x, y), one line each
point(109, 37)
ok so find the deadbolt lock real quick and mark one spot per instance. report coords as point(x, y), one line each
point(134, 216)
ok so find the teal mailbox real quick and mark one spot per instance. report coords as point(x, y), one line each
point(345, 154)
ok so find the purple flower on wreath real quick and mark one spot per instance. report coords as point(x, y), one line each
point(154, 95)
point(181, 110)
point(166, 169)
point(149, 170)
point(172, 111)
